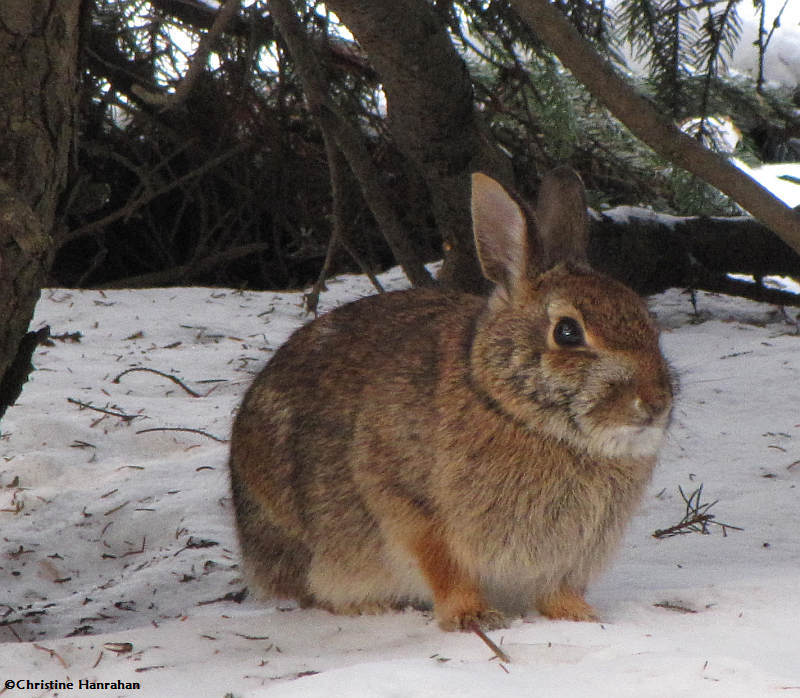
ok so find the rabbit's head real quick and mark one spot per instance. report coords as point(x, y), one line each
point(563, 349)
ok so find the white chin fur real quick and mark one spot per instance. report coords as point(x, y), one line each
point(625, 441)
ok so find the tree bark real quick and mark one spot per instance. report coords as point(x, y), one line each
point(38, 97)
point(431, 115)
point(644, 121)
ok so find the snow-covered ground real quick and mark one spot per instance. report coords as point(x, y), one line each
point(118, 557)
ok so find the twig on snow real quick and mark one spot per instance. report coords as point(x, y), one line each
point(175, 380)
point(120, 415)
point(672, 606)
point(193, 544)
point(491, 644)
point(119, 647)
point(9, 625)
point(53, 654)
point(117, 508)
point(696, 519)
point(192, 431)
point(136, 552)
point(235, 596)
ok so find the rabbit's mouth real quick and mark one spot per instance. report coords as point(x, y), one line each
point(638, 441)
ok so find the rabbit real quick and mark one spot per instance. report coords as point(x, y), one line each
point(480, 454)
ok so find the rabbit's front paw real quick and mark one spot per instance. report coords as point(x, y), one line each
point(466, 612)
point(566, 604)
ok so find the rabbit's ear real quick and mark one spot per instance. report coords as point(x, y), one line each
point(501, 234)
point(562, 221)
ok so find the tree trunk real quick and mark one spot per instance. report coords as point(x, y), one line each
point(38, 95)
point(431, 115)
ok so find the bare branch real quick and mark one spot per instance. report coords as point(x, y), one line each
point(185, 271)
point(336, 168)
point(145, 198)
point(349, 140)
point(197, 64)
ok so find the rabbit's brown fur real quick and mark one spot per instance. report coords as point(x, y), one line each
point(424, 446)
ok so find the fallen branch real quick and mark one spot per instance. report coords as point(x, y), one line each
point(175, 380)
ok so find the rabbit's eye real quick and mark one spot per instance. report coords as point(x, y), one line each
point(568, 332)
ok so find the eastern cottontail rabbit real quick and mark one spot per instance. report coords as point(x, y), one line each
point(481, 454)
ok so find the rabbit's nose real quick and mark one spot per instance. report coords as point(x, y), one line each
point(652, 408)
point(652, 401)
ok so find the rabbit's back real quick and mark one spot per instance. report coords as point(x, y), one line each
point(297, 477)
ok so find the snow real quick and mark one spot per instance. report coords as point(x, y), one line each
point(118, 556)
point(625, 214)
point(782, 59)
point(782, 179)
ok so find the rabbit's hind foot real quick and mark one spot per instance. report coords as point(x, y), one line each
point(566, 604)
